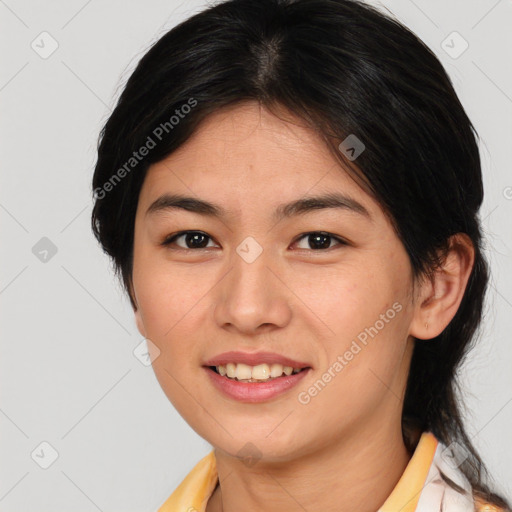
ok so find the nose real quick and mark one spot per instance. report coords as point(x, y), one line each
point(252, 298)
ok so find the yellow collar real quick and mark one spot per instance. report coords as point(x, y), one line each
point(195, 490)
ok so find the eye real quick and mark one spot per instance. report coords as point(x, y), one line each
point(191, 239)
point(318, 240)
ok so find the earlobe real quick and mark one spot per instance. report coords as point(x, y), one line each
point(440, 296)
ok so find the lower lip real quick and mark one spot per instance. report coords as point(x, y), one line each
point(254, 392)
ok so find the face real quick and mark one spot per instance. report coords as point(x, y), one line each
point(326, 284)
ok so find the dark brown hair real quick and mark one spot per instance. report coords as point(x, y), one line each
point(344, 68)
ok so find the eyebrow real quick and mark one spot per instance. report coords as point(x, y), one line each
point(301, 206)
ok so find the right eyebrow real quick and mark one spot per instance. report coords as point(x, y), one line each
point(191, 204)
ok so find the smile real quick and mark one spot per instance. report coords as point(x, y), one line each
point(254, 390)
point(262, 372)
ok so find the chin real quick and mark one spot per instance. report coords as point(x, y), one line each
point(251, 447)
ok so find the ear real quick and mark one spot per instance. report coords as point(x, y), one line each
point(438, 298)
point(136, 311)
point(140, 323)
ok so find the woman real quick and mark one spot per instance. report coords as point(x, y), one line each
point(289, 191)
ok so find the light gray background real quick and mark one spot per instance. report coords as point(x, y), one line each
point(68, 373)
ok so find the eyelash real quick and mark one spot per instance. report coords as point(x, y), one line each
point(171, 238)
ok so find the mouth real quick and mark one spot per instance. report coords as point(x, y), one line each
point(254, 376)
point(254, 384)
point(260, 373)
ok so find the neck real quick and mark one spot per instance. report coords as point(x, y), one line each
point(358, 472)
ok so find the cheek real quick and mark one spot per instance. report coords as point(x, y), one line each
point(164, 296)
point(173, 303)
point(167, 303)
point(364, 311)
point(347, 299)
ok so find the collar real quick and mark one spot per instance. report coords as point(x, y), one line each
point(420, 488)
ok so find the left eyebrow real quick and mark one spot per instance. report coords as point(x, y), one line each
point(326, 201)
point(299, 207)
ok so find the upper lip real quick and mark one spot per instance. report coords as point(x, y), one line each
point(254, 359)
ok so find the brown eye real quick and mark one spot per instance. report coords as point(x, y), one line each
point(190, 239)
point(319, 240)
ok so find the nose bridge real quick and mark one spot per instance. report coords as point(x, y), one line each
point(251, 295)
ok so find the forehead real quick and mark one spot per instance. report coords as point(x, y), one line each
point(246, 157)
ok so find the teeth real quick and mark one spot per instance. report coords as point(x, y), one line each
point(276, 370)
point(260, 372)
point(243, 371)
point(231, 370)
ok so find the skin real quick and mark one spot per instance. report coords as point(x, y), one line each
point(344, 449)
